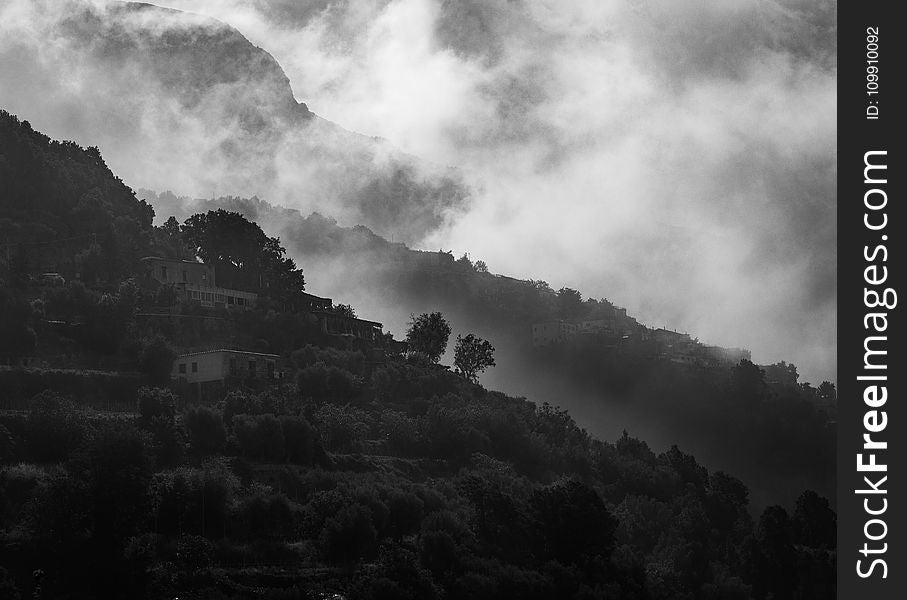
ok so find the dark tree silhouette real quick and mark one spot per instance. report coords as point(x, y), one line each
point(17, 338)
point(569, 301)
point(827, 392)
point(156, 360)
point(572, 522)
point(428, 335)
point(815, 523)
point(345, 310)
point(206, 429)
point(748, 382)
point(472, 355)
point(242, 255)
point(156, 403)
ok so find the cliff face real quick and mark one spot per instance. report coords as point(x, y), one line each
point(180, 101)
point(190, 57)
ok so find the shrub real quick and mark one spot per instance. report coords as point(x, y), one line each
point(342, 428)
point(300, 440)
point(206, 429)
point(260, 436)
point(156, 403)
point(156, 360)
point(7, 445)
point(55, 427)
point(348, 536)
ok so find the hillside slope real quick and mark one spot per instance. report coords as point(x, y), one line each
point(60, 200)
point(361, 472)
point(776, 432)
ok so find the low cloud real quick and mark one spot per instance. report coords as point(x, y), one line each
point(677, 158)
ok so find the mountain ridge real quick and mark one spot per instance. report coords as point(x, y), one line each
point(185, 100)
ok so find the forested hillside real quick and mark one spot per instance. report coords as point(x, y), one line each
point(727, 417)
point(61, 204)
point(368, 469)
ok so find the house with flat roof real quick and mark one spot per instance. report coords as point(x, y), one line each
point(552, 332)
point(195, 282)
point(221, 365)
point(336, 324)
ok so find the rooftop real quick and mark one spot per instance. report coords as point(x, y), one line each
point(179, 260)
point(246, 352)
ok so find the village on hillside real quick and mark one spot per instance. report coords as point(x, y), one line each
point(184, 290)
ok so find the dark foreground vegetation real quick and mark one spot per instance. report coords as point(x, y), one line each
point(366, 472)
point(408, 482)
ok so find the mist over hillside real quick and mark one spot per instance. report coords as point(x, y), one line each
point(716, 223)
point(180, 100)
point(303, 453)
point(677, 157)
point(446, 299)
point(678, 160)
point(606, 391)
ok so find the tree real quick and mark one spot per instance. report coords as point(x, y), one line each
point(814, 521)
point(428, 335)
point(118, 464)
point(480, 266)
point(242, 255)
point(465, 263)
point(828, 393)
point(7, 446)
point(17, 339)
point(472, 356)
point(156, 360)
point(572, 522)
point(206, 429)
point(156, 403)
point(748, 383)
point(570, 302)
point(345, 310)
point(55, 427)
point(348, 535)
point(171, 227)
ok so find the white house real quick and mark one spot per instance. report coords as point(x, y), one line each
point(219, 365)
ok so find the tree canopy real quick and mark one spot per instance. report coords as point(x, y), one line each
point(428, 335)
point(472, 356)
point(243, 256)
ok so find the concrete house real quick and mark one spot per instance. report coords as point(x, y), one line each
point(553, 331)
point(195, 281)
point(212, 366)
point(335, 324)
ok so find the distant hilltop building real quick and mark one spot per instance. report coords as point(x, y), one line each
point(670, 337)
point(194, 281)
point(333, 322)
point(620, 331)
point(552, 332)
point(421, 260)
point(615, 324)
point(730, 355)
point(337, 324)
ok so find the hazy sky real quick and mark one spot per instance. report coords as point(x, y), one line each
point(675, 157)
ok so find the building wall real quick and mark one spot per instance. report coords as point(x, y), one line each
point(196, 368)
point(215, 296)
point(553, 331)
point(340, 325)
point(195, 281)
point(218, 365)
point(173, 271)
